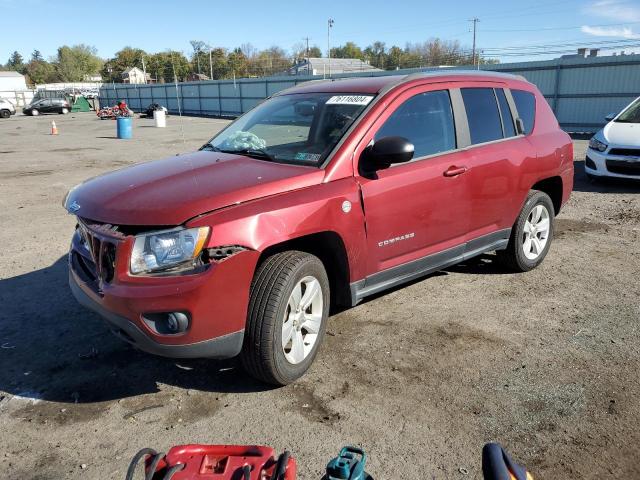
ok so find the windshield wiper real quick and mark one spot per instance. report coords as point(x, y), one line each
point(249, 152)
point(209, 147)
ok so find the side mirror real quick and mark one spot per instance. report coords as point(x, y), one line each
point(519, 126)
point(610, 117)
point(383, 153)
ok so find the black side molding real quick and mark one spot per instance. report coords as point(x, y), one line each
point(431, 263)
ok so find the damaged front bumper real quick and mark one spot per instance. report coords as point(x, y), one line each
point(213, 299)
point(225, 346)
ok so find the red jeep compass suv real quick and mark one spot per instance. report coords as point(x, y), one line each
point(321, 195)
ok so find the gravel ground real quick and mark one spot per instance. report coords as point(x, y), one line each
point(544, 362)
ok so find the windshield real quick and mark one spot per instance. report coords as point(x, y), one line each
point(631, 114)
point(299, 128)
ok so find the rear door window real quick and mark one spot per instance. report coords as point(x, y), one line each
point(526, 105)
point(505, 112)
point(482, 114)
point(426, 120)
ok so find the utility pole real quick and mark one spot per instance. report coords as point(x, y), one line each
point(329, 26)
point(475, 21)
point(307, 50)
point(210, 65)
point(306, 55)
point(144, 69)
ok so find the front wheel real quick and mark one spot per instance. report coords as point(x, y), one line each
point(531, 234)
point(287, 317)
point(35, 112)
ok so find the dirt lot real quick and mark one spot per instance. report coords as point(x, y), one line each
point(545, 362)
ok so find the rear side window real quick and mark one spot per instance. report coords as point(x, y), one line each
point(482, 114)
point(526, 105)
point(505, 112)
point(426, 120)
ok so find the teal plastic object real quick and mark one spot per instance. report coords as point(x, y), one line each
point(348, 465)
point(124, 127)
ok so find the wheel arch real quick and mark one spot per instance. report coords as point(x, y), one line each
point(553, 187)
point(330, 248)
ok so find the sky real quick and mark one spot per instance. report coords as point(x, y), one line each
point(510, 31)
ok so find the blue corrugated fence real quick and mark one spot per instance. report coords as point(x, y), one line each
point(581, 91)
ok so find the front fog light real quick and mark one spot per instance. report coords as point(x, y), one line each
point(169, 323)
point(167, 249)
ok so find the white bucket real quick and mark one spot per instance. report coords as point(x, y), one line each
point(160, 118)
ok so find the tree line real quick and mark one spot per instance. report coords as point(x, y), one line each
point(70, 64)
point(75, 63)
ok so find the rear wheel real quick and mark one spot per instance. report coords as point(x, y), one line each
point(287, 317)
point(531, 234)
point(5, 113)
point(64, 111)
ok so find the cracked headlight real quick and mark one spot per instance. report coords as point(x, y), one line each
point(157, 251)
point(597, 145)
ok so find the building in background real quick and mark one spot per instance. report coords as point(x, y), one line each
point(93, 77)
point(12, 81)
point(197, 77)
point(324, 66)
point(135, 75)
point(13, 87)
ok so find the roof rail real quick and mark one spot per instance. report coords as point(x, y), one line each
point(447, 72)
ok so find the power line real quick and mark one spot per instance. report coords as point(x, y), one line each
point(575, 27)
point(577, 43)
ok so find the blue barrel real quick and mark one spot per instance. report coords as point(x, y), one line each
point(125, 127)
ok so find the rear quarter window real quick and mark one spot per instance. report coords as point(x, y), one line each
point(526, 105)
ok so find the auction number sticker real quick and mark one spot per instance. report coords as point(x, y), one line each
point(349, 100)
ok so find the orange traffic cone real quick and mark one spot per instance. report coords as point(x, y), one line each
point(54, 129)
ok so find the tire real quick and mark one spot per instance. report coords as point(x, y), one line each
point(35, 112)
point(515, 257)
point(64, 111)
point(263, 355)
point(5, 113)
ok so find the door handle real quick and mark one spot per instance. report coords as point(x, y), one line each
point(454, 171)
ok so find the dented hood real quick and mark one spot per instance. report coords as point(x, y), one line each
point(173, 190)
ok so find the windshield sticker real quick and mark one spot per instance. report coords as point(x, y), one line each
point(307, 157)
point(349, 100)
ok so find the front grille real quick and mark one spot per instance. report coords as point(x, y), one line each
point(623, 168)
point(95, 256)
point(626, 152)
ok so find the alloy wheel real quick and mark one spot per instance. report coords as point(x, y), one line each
point(535, 234)
point(302, 320)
